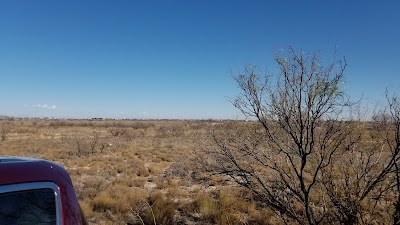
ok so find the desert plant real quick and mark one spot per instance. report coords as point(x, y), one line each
point(362, 178)
point(306, 159)
point(301, 128)
point(387, 128)
point(4, 131)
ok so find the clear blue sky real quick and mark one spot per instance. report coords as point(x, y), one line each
point(171, 59)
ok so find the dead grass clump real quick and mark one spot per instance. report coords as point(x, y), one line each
point(48, 156)
point(207, 207)
point(176, 192)
point(124, 198)
point(92, 170)
point(140, 155)
point(89, 192)
point(142, 171)
point(138, 181)
point(141, 125)
point(59, 123)
point(161, 210)
point(25, 130)
point(103, 202)
point(93, 182)
point(4, 131)
point(226, 207)
point(92, 186)
point(156, 168)
point(131, 181)
point(178, 169)
point(87, 209)
point(165, 182)
point(162, 157)
point(137, 196)
point(263, 216)
point(177, 130)
point(117, 131)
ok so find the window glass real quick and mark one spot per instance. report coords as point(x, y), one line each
point(28, 207)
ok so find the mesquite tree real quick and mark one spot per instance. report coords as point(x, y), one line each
point(387, 128)
point(304, 157)
point(363, 181)
point(299, 111)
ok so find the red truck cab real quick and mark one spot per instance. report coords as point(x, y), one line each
point(36, 191)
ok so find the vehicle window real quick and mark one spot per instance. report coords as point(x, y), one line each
point(28, 207)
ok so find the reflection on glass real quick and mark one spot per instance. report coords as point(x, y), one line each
point(28, 207)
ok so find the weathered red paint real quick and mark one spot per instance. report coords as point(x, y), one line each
point(15, 170)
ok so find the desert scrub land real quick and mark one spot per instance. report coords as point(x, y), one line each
point(212, 172)
point(136, 172)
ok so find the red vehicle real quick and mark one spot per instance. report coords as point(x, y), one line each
point(36, 191)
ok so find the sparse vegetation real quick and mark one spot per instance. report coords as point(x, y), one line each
point(157, 177)
point(120, 180)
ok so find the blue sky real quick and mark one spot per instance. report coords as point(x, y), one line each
point(171, 59)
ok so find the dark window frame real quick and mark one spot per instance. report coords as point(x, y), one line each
point(10, 188)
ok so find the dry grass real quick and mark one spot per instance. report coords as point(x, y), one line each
point(137, 172)
point(126, 171)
